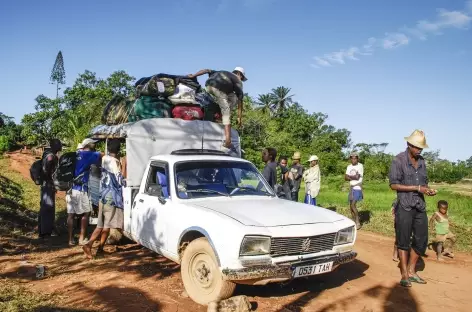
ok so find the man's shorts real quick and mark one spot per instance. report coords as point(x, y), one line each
point(355, 195)
point(226, 102)
point(110, 217)
point(78, 202)
point(411, 229)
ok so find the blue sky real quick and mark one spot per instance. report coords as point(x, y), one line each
point(379, 68)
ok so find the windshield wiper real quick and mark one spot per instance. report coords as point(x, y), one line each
point(208, 191)
point(243, 188)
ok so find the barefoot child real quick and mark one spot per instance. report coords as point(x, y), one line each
point(445, 239)
point(395, 249)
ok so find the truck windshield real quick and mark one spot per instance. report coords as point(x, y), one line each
point(197, 179)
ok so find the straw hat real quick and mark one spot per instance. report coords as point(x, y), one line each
point(417, 139)
point(296, 156)
point(312, 158)
point(353, 154)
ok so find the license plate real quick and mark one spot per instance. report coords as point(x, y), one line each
point(313, 269)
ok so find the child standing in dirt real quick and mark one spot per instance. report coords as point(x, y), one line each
point(395, 249)
point(445, 239)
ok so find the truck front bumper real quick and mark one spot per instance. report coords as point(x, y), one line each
point(281, 272)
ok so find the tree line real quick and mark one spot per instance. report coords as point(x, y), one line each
point(273, 119)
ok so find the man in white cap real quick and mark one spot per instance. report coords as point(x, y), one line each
point(312, 178)
point(409, 179)
point(355, 175)
point(227, 89)
point(77, 199)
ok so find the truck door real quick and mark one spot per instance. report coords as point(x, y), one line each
point(150, 208)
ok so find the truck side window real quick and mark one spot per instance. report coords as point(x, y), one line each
point(157, 178)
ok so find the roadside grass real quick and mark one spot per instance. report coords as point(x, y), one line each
point(378, 198)
point(16, 298)
point(19, 201)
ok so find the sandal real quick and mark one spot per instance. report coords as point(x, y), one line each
point(405, 283)
point(416, 279)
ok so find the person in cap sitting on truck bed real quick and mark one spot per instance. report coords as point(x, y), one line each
point(227, 89)
point(110, 214)
point(78, 199)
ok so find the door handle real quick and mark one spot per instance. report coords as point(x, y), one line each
point(141, 200)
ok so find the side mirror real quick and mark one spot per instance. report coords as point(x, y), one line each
point(156, 190)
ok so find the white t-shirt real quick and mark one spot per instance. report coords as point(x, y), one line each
point(353, 170)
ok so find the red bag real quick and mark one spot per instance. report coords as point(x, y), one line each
point(188, 112)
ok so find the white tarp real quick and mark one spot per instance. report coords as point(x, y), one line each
point(151, 137)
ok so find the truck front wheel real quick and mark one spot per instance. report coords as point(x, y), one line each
point(201, 275)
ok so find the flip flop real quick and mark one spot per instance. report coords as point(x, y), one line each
point(405, 283)
point(417, 279)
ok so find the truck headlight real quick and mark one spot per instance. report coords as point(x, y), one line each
point(255, 246)
point(345, 236)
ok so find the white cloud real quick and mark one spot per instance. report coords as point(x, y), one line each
point(394, 40)
point(444, 19)
point(321, 62)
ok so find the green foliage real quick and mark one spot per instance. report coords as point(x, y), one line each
point(58, 73)
point(4, 144)
point(14, 297)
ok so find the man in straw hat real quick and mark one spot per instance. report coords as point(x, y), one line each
point(312, 178)
point(355, 174)
point(296, 173)
point(409, 178)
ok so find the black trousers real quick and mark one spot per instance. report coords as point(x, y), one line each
point(411, 228)
point(295, 196)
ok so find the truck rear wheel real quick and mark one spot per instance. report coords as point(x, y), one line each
point(201, 274)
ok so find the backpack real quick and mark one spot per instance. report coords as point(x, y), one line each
point(63, 177)
point(36, 170)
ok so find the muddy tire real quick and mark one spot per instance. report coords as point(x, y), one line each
point(201, 275)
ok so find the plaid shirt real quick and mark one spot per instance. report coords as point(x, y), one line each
point(402, 172)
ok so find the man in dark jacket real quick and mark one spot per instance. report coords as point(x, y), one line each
point(227, 89)
point(47, 210)
point(296, 174)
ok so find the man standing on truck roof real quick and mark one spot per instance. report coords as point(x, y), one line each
point(227, 89)
point(78, 198)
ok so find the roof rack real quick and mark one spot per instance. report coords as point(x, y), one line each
point(199, 152)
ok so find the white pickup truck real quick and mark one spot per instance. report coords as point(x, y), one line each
point(218, 218)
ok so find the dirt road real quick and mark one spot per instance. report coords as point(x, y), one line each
point(131, 278)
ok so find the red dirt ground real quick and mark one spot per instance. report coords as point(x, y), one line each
point(131, 278)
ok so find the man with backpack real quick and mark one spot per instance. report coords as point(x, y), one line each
point(47, 210)
point(78, 199)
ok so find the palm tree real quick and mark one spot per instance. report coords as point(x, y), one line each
point(265, 102)
point(282, 98)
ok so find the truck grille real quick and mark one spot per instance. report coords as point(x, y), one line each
point(286, 246)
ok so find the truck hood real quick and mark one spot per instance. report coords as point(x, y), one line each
point(269, 212)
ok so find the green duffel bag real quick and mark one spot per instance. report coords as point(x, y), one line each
point(158, 87)
point(116, 111)
point(147, 107)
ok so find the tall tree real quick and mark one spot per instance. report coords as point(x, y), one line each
point(58, 73)
point(265, 102)
point(282, 98)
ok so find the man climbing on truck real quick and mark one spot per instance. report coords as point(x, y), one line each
point(227, 89)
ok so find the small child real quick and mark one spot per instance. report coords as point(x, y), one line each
point(444, 239)
point(395, 249)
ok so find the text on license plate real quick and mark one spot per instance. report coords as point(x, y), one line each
point(313, 269)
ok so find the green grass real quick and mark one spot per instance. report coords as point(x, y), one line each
point(378, 200)
point(16, 298)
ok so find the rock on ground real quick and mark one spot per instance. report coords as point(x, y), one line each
point(233, 304)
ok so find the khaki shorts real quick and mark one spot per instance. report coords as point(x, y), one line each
point(226, 102)
point(78, 202)
point(444, 237)
point(109, 217)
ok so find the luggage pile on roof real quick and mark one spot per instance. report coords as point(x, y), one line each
point(163, 96)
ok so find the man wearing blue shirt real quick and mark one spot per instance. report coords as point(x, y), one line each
point(78, 200)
